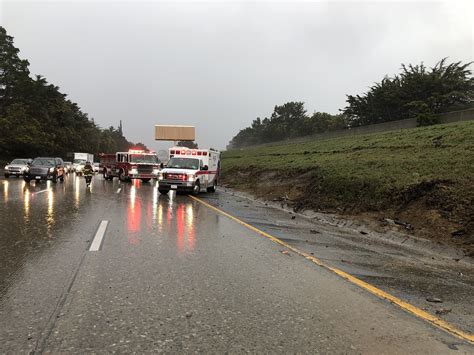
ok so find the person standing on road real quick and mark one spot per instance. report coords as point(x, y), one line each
point(88, 171)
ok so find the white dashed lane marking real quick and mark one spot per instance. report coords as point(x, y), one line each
point(99, 235)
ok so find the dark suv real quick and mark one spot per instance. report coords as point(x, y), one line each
point(45, 169)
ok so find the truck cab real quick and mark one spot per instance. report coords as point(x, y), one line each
point(134, 164)
point(190, 170)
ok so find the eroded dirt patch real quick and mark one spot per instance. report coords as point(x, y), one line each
point(430, 209)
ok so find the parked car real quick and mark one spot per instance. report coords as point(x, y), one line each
point(45, 169)
point(96, 167)
point(68, 167)
point(16, 168)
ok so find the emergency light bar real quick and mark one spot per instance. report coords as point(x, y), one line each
point(188, 152)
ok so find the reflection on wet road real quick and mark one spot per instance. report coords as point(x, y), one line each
point(36, 216)
point(171, 275)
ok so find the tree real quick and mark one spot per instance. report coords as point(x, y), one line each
point(37, 119)
point(416, 92)
point(287, 121)
point(188, 144)
point(14, 73)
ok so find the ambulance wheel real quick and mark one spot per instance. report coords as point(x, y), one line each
point(197, 188)
point(145, 180)
point(163, 191)
point(213, 187)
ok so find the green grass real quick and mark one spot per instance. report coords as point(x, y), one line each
point(372, 167)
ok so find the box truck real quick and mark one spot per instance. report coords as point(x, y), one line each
point(79, 160)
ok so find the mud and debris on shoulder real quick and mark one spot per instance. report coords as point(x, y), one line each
point(396, 180)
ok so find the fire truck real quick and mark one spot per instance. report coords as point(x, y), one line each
point(134, 164)
point(190, 170)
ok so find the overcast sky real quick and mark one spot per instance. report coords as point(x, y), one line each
point(219, 65)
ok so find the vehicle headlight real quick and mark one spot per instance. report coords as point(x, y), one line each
point(7, 167)
point(133, 171)
point(51, 170)
point(160, 176)
point(24, 168)
point(191, 177)
point(156, 171)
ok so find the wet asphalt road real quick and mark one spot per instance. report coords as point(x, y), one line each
point(173, 275)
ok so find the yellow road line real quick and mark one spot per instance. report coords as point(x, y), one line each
point(366, 286)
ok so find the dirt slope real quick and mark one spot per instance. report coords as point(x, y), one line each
point(420, 180)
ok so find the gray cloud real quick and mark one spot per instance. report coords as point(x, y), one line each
point(219, 65)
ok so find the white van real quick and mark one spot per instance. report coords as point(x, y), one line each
point(190, 170)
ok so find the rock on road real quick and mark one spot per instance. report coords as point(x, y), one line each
point(173, 275)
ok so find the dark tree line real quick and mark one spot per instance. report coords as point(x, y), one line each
point(417, 91)
point(37, 119)
point(287, 121)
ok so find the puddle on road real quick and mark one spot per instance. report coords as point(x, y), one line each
point(34, 218)
point(162, 216)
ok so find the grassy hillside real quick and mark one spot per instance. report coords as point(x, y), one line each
point(431, 167)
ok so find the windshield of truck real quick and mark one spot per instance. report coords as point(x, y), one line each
point(18, 161)
point(43, 162)
point(183, 163)
point(143, 158)
point(80, 161)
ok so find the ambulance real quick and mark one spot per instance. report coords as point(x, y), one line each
point(190, 170)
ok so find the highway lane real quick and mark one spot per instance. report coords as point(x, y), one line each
point(174, 275)
point(410, 268)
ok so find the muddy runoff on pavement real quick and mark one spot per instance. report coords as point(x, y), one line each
point(435, 277)
point(428, 210)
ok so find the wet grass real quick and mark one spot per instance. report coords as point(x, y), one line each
point(372, 168)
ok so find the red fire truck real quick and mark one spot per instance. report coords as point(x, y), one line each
point(134, 164)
